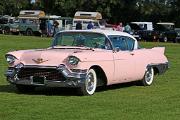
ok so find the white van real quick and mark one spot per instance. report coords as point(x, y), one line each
point(144, 25)
point(85, 17)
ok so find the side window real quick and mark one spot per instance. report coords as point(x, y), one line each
point(119, 42)
point(122, 42)
point(98, 42)
point(130, 43)
point(64, 40)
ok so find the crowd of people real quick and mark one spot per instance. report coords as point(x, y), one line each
point(49, 28)
point(118, 27)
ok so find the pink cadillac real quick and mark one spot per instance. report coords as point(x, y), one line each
point(85, 59)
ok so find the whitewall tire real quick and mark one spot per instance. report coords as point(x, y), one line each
point(148, 76)
point(90, 83)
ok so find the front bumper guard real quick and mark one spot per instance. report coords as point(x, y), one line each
point(73, 79)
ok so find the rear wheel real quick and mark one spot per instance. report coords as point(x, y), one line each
point(148, 77)
point(90, 84)
point(6, 30)
point(25, 88)
point(165, 39)
point(29, 32)
point(175, 40)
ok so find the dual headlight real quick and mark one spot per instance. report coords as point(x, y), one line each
point(72, 60)
point(10, 59)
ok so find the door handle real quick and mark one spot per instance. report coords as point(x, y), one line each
point(131, 53)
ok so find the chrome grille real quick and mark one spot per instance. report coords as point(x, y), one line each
point(50, 74)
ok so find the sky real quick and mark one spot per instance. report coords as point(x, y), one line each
point(32, 1)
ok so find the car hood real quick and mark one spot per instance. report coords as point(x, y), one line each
point(57, 56)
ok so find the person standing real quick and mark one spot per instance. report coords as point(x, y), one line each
point(43, 28)
point(90, 25)
point(127, 28)
point(56, 28)
point(49, 28)
point(78, 26)
point(119, 27)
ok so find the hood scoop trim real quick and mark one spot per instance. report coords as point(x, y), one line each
point(39, 60)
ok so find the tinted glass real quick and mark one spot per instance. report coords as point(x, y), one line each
point(81, 39)
point(122, 42)
point(130, 43)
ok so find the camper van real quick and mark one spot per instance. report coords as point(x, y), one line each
point(29, 21)
point(85, 17)
point(33, 21)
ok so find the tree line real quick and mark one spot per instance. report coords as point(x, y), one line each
point(113, 11)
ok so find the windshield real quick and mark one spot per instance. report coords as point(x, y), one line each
point(82, 39)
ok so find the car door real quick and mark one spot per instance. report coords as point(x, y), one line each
point(124, 59)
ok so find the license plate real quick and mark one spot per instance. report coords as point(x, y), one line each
point(38, 80)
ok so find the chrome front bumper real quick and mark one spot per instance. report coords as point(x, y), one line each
point(72, 79)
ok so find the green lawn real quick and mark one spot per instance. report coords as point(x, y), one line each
point(161, 101)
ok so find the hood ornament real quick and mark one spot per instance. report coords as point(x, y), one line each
point(39, 60)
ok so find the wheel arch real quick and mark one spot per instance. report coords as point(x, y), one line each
point(159, 68)
point(101, 76)
point(6, 29)
point(29, 29)
point(156, 70)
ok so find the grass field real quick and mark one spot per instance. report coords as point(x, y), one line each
point(161, 101)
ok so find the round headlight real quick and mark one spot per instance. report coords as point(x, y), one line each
point(72, 60)
point(10, 59)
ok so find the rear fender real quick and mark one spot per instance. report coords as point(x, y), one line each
point(159, 49)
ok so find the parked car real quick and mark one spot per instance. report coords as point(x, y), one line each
point(29, 22)
point(143, 31)
point(3, 20)
point(165, 32)
point(1, 29)
point(9, 25)
point(12, 27)
point(85, 59)
point(178, 35)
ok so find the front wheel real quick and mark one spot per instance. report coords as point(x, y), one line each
point(7, 31)
point(148, 77)
point(90, 84)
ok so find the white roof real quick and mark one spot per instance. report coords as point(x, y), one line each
point(142, 22)
point(53, 16)
point(34, 14)
point(165, 23)
point(105, 32)
point(87, 15)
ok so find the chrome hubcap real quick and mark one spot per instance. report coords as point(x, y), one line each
point(149, 75)
point(90, 82)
